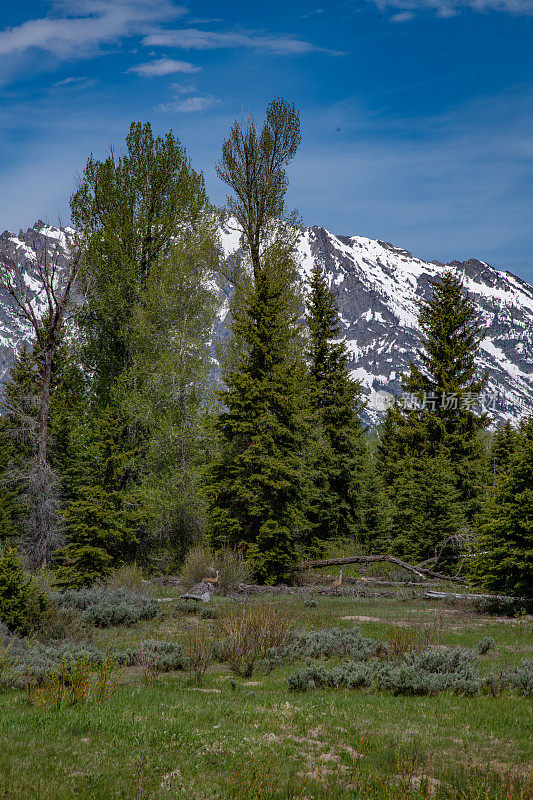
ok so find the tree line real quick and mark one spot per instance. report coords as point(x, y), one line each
point(117, 444)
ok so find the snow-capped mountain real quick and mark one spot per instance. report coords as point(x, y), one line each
point(377, 286)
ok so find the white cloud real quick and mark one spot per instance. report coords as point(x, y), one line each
point(195, 39)
point(86, 25)
point(189, 105)
point(450, 8)
point(163, 66)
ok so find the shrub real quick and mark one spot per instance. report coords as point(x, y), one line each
point(521, 677)
point(154, 655)
point(201, 562)
point(187, 607)
point(405, 640)
point(484, 645)
point(129, 576)
point(249, 634)
point(36, 661)
point(336, 641)
point(21, 606)
point(198, 563)
point(233, 570)
point(9, 666)
point(198, 647)
point(106, 607)
point(433, 671)
point(75, 682)
point(210, 613)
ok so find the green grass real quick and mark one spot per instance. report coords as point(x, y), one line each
point(238, 739)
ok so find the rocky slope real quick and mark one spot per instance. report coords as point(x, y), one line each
point(377, 287)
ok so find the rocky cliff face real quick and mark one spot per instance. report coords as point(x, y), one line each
point(377, 286)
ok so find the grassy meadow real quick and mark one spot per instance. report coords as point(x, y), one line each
point(164, 736)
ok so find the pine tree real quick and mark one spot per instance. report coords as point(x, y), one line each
point(258, 480)
point(100, 518)
point(451, 334)
point(426, 509)
point(335, 402)
point(505, 440)
point(374, 509)
point(21, 606)
point(97, 532)
point(504, 528)
point(444, 435)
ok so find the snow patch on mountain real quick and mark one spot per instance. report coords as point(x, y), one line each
point(378, 287)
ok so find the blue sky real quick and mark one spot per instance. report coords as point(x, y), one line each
point(416, 114)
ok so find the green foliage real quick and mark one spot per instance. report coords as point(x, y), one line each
point(257, 480)
point(327, 642)
point(100, 525)
point(335, 402)
point(36, 660)
point(158, 656)
point(187, 607)
point(201, 562)
point(485, 645)
point(427, 508)
point(104, 607)
point(22, 607)
point(432, 458)
point(151, 248)
point(433, 671)
point(97, 534)
point(130, 208)
point(504, 528)
point(258, 477)
point(505, 441)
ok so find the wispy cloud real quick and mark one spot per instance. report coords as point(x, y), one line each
point(85, 25)
point(189, 104)
point(74, 83)
point(163, 66)
point(407, 9)
point(313, 13)
point(195, 39)
point(403, 16)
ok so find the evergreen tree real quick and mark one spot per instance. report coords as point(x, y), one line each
point(442, 434)
point(504, 528)
point(258, 480)
point(451, 334)
point(426, 509)
point(505, 440)
point(21, 606)
point(335, 402)
point(100, 518)
point(97, 532)
point(374, 507)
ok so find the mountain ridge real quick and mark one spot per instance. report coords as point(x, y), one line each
point(377, 286)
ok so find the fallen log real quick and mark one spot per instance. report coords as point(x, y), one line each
point(431, 595)
point(423, 574)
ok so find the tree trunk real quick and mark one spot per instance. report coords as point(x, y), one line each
point(424, 574)
point(43, 485)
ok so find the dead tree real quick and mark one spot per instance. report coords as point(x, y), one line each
point(56, 271)
point(423, 574)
